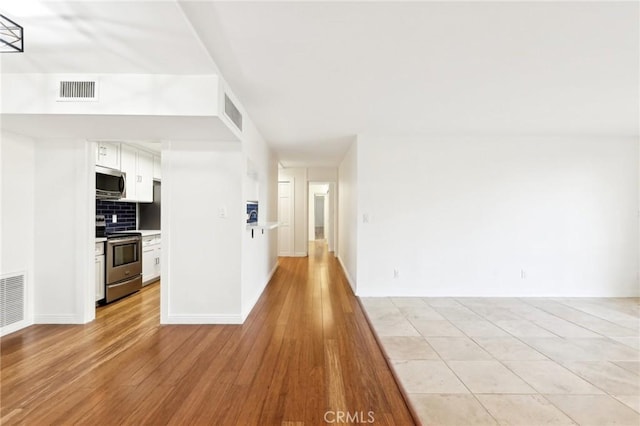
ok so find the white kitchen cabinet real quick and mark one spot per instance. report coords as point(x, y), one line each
point(108, 154)
point(157, 169)
point(138, 166)
point(128, 161)
point(144, 189)
point(148, 264)
point(150, 258)
point(157, 269)
point(100, 271)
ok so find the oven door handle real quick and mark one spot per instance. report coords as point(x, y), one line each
point(118, 241)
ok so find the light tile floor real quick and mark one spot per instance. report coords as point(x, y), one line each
point(510, 361)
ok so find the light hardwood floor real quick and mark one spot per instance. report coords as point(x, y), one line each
point(305, 355)
point(508, 361)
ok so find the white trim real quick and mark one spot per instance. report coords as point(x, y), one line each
point(11, 328)
point(246, 311)
point(58, 319)
point(346, 274)
point(85, 236)
point(165, 225)
point(202, 319)
point(300, 254)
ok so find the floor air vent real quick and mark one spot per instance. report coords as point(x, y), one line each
point(11, 299)
point(232, 112)
point(78, 91)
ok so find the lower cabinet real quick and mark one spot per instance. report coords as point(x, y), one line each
point(100, 271)
point(150, 259)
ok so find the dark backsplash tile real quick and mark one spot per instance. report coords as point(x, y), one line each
point(126, 215)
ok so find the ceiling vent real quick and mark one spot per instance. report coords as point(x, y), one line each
point(82, 91)
point(232, 112)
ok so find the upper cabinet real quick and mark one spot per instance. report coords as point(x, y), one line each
point(108, 154)
point(141, 168)
point(144, 190)
point(157, 171)
point(138, 166)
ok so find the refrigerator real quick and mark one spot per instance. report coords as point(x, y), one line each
point(149, 213)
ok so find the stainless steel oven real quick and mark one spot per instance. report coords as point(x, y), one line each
point(123, 265)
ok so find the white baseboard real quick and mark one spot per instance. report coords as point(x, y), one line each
point(247, 310)
point(12, 328)
point(203, 319)
point(58, 319)
point(346, 274)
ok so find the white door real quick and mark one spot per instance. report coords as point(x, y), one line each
point(285, 219)
point(144, 175)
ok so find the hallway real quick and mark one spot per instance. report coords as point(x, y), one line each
point(305, 356)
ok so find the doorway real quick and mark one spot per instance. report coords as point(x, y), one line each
point(321, 213)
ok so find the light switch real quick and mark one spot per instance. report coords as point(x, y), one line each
point(114, 218)
point(222, 212)
point(365, 218)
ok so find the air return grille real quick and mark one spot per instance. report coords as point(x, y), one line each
point(232, 112)
point(11, 300)
point(78, 91)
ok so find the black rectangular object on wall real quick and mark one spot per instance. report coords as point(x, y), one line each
point(150, 212)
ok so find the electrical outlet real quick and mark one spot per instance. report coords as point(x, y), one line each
point(523, 274)
point(365, 218)
point(222, 212)
point(396, 273)
point(114, 218)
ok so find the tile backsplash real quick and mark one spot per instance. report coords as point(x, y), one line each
point(126, 215)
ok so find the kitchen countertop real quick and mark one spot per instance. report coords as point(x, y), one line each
point(147, 232)
point(263, 225)
point(144, 232)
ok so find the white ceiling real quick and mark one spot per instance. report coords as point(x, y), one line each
point(151, 129)
point(138, 37)
point(312, 75)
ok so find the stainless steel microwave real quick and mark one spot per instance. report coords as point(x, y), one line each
point(110, 184)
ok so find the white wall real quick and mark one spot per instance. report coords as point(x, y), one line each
point(201, 251)
point(259, 252)
point(17, 166)
point(348, 193)
point(333, 216)
point(48, 225)
point(64, 216)
point(123, 94)
point(497, 217)
point(322, 174)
